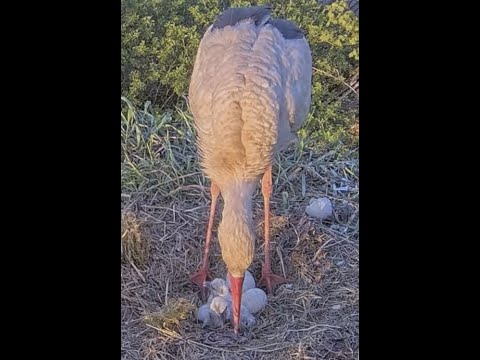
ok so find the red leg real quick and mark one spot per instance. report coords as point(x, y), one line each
point(202, 274)
point(268, 277)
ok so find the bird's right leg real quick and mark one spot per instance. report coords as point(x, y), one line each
point(202, 274)
point(268, 277)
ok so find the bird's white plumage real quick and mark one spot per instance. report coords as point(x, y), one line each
point(202, 312)
point(250, 91)
point(219, 304)
point(246, 317)
point(208, 317)
point(219, 287)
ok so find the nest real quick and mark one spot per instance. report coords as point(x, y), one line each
point(314, 317)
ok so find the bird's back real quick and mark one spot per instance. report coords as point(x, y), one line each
point(250, 90)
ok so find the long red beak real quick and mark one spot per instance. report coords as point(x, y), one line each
point(236, 284)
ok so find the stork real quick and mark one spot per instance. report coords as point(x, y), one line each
point(249, 94)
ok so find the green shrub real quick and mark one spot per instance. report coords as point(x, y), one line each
point(160, 39)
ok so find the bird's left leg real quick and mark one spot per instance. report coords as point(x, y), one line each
point(202, 274)
point(268, 277)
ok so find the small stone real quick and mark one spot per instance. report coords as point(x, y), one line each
point(320, 208)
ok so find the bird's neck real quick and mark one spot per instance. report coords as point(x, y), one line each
point(237, 197)
point(236, 232)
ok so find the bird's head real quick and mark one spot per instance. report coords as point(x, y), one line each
point(218, 287)
point(236, 235)
point(237, 241)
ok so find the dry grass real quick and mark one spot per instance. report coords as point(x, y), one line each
point(314, 317)
point(135, 246)
point(171, 315)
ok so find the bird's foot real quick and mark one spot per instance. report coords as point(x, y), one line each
point(270, 280)
point(199, 279)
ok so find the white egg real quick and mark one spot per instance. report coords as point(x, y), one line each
point(254, 299)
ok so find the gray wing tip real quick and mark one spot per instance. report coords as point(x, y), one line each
point(232, 16)
point(287, 28)
point(261, 16)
